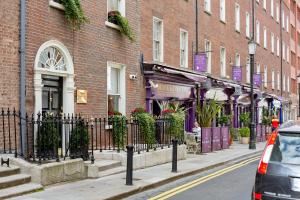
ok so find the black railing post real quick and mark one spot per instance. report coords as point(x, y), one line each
point(174, 156)
point(39, 145)
point(92, 135)
point(15, 127)
point(129, 164)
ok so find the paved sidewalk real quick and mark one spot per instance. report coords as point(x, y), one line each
point(113, 187)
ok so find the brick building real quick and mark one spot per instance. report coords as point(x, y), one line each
point(83, 71)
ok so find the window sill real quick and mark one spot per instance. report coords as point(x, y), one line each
point(238, 31)
point(56, 5)
point(248, 37)
point(223, 21)
point(112, 25)
point(207, 12)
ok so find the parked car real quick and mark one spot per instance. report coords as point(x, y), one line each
point(278, 173)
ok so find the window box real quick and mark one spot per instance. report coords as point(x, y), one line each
point(56, 4)
point(112, 25)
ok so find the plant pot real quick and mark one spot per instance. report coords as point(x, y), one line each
point(245, 140)
point(112, 16)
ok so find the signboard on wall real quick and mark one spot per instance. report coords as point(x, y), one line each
point(257, 80)
point(165, 90)
point(237, 73)
point(200, 62)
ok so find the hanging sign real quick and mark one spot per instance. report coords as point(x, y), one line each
point(200, 62)
point(257, 80)
point(237, 73)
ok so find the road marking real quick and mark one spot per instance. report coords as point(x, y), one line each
point(201, 180)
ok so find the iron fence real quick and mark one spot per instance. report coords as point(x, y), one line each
point(55, 137)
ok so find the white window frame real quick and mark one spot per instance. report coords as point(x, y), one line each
point(273, 79)
point(265, 4)
point(283, 50)
point(121, 7)
point(237, 17)
point(283, 82)
point(248, 70)
point(287, 53)
point(288, 83)
point(265, 38)
point(247, 24)
point(237, 59)
point(122, 85)
point(207, 6)
point(223, 10)
point(222, 61)
point(287, 24)
point(278, 80)
point(272, 8)
point(272, 43)
point(258, 68)
point(283, 19)
point(257, 32)
point(160, 40)
point(207, 47)
point(186, 48)
point(277, 13)
point(265, 76)
point(278, 46)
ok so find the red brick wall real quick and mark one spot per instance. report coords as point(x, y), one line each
point(9, 53)
point(91, 48)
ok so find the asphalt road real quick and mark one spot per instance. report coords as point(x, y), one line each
point(233, 185)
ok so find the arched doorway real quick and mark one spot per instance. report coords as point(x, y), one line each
point(53, 79)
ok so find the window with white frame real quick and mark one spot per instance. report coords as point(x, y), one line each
point(116, 89)
point(247, 24)
point(222, 10)
point(223, 62)
point(265, 76)
point(272, 8)
point(257, 32)
point(288, 54)
point(265, 38)
point(265, 4)
point(273, 79)
point(237, 17)
point(283, 82)
point(208, 55)
point(288, 83)
point(207, 5)
point(282, 19)
point(278, 46)
point(237, 59)
point(283, 50)
point(277, 12)
point(258, 68)
point(157, 39)
point(272, 43)
point(278, 80)
point(248, 70)
point(116, 5)
point(183, 48)
point(287, 24)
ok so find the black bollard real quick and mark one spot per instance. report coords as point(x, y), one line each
point(174, 156)
point(129, 164)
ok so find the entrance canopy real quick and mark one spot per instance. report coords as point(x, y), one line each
point(217, 94)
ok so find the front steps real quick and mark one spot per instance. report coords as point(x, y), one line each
point(13, 183)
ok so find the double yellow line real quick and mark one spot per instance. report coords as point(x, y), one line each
point(201, 180)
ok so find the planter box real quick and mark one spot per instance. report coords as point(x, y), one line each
point(225, 137)
point(206, 135)
point(245, 140)
point(216, 138)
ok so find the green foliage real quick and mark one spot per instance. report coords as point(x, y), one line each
point(176, 128)
point(244, 132)
point(48, 137)
point(74, 13)
point(119, 130)
point(232, 131)
point(224, 119)
point(146, 127)
point(208, 112)
point(116, 18)
point(245, 118)
point(79, 141)
point(138, 111)
point(266, 117)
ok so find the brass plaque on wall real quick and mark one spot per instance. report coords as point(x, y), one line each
point(81, 96)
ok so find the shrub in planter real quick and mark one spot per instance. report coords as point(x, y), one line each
point(115, 17)
point(176, 128)
point(245, 134)
point(207, 112)
point(48, 138)
point(79, 141)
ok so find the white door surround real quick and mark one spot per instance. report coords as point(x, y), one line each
point(53, 58)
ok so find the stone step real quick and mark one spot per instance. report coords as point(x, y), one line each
point(116, 170)
point(19, 190)
point(103, 165)
point(7, 171)
point(14, 180)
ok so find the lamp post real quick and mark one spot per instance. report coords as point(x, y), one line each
point(252, 49)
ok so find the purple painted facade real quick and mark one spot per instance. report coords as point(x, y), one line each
point(216, 138)
point(225, 137)
point(235, 113)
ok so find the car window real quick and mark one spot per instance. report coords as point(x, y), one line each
point(286, 149)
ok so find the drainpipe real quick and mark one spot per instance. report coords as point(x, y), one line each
point(22, 103)
point(281, 61)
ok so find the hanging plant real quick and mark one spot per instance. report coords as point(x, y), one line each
point(74, 13)
point(115, 17)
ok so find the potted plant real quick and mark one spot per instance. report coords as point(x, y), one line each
point(244, 133)
point(115, 17)
point(224, 120)
point(245, 119)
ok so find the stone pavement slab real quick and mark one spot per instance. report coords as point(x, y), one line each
point(113, 187)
